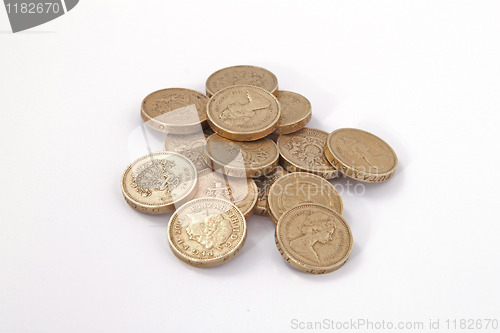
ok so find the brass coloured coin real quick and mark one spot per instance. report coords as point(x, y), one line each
point(295, 112)
point(314, 238)
point(263, 184)
point(361, 155)
point(243, 113)
point(207, 232)
point(241, 75)
point(190, 145)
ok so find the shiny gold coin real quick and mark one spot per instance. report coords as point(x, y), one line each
point(175, 110)
point(158, 182)
point(240, 191)
point(263, 184)
point(189, 145)
point(361, 155)
point(314, 238)
point(207, 232)
point(243, 113)
point(295, 112)
point(241, 75)
point(241, 159)
point(297, 188)
point(304, 151)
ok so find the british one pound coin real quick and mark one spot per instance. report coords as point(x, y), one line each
point(241, 75)
point(159, 182)
point(263, 184)
point(189, 145)
point(297, 188)
point(243, 113)
point(175, 110)
point(314, 238)
point(295, 112)
point(207, 232)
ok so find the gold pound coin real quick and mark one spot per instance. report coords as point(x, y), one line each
point(241, 159)
point(298, 188)
point(241, 75)
point(295, 112)
point(243, 113)
point(242, 192)
point(175, 110)
point(189, 145)
point(314, 238)
point(304, 151)
point(263, 185)
point(207, 232)
point(361, 155)
point(158, 182)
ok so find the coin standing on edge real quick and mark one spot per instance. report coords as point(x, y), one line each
point(314, 238)
point(304, 151)
point(207, 232)
point(242, 192)
point(190, 145)
point(263, 184)
point(241, 75)
point(243, 113)
point(361, 155)
point(295, 112)
point(175, 110)
point(158, 182)
point(298, 188)
point(241, 159)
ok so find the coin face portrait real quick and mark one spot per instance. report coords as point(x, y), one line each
point(157, 182)
point(206, 232)
point(314, 238)
point(175, 110)
point(361, 155)
point(241, 75)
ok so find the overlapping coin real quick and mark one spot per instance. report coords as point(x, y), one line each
point(360, 155)
point(295, 112)
point(314, 238)
point(263, 184)
point(158, 182)
point(175, 110)
point(241, 75)
point(190, 145)
point(297, 188)
point(207, 232)
point(243, 113)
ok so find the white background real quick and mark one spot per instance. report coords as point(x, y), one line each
point(423, 75)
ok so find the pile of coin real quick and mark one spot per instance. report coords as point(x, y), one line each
point(241, 149)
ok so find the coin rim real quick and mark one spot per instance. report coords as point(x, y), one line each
point(297, 125)
point(351, 171)
point(262, 210)
point(302, 266)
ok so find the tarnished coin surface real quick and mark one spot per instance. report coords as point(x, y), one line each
point(297, 188)
point(263, 185)
point(175, 110)
point(241, 75)
point(240, 191)
point(295, 112)
point(361, 155)
point(207, 232)
point(242, 159)
point(304, 151)
point(158, 182)
point(190, 145)
point(243, 113)
point(314, 238)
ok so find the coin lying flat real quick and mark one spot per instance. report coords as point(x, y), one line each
point(361, 155)
point(297, 188)
point(314, 238)
point(158, 182)
point(207, 232)
point(304, 151)
point(263, 184)
point(295, 112)
point(241, 75)
point(189, 145)
point(243, 113)
point(241, 159)
point(175, 110)
point(240, 191)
